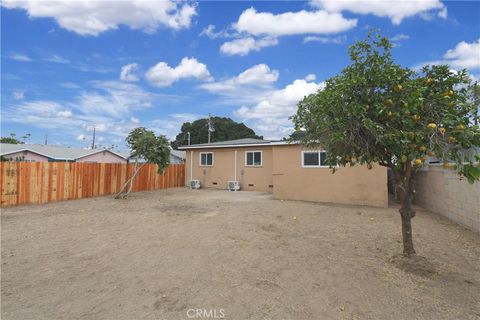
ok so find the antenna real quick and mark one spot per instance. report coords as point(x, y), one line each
point(93, 140)
point(46, 139)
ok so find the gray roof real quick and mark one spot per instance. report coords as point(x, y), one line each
point(173, 153)
point(53, 152)
point(178, 153)
point(237, 142)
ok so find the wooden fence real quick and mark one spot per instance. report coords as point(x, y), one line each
point(42, 182)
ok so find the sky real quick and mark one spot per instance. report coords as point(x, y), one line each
point(68, 67)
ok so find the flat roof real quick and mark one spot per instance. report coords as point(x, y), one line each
point(238, 143)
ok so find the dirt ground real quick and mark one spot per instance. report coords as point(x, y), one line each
point(165, 254)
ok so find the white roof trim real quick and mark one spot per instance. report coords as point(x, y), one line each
point(266, 144)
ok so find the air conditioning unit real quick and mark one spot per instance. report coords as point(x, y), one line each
point(194, 184)
point(233, 185)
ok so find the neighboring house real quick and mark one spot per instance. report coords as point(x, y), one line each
point(288, 170)
point(45, 153)
point(176, 157)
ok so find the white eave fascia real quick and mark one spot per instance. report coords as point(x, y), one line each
point(277, 143)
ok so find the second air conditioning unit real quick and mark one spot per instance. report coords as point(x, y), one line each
point(233, 185)
point(194, 184)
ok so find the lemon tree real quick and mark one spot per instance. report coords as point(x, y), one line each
point(376, 112)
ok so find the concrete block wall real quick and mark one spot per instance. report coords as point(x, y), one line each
point(440, 190)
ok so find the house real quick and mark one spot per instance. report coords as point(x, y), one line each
point(46, 153)
point(176, 157)
point(287, 170)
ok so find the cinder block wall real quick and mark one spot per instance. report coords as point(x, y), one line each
point(440, 190)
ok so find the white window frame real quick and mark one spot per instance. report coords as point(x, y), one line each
point(200, 159)
point(310, 166)
point(254, 165)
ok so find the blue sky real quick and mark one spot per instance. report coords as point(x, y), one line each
point(70, 66)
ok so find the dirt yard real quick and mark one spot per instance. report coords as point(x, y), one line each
point(165, 254)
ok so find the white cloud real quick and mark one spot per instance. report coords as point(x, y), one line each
point(113, 99)
point(259, 76)
point(65, 114)
point(108, 106)
point(400, 37)
point(464, 55)
point(257, 30)
point(21, 57)
point(170, 126)
point(291, 23)
point(310, 77)
point(270, 116)
point(162, 75)
point(324, 40)
point(81, 137)
point(243, 46)
point(210, 32)
point(57, 59)
point(18, 94)
point(94, 17)
point(127, 72)
point(396, 10)
point(135, 120)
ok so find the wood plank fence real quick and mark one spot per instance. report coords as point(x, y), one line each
point(42, 182)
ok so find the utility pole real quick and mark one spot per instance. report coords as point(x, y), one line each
point(46, 139)
point(210, 127)
point(93, 140)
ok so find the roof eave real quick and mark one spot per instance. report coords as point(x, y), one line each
point(277, 143)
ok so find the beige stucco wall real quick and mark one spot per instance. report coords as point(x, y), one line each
point(27, 156)
point(223, 169)
point(349, 185)
point(441, 191)
point(103, 157)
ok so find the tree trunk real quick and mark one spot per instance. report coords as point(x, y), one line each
point(129, 183)
point(408, 249)
point(406, 210)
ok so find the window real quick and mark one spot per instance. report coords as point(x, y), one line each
point(206, 158)
point(253, 158)
point(314, 159)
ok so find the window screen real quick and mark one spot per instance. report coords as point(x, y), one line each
point(311, 159)
point(206, 159)
point(314, 158)
point(254, 158)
